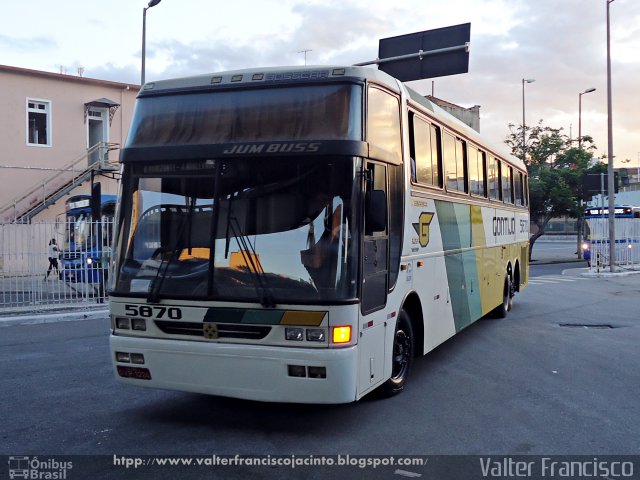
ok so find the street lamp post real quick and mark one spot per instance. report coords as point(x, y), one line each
point(524, 144)
point(152, 3)
point(580, 217)
point(589, 90)
point(610, 185)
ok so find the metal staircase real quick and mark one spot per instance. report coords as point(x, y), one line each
point(39, 197)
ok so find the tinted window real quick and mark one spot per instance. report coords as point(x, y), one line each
point(494, 178)
point(453, 153)
point(476, 171)
point(507, 190)
point(425, 153)
point(383, 123)
point(325, 112)
point(517, 187)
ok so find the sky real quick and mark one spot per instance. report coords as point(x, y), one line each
point(559, 43)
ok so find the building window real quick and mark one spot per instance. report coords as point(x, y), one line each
point(38, 122)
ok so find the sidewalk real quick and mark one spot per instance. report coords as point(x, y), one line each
point(59, 314)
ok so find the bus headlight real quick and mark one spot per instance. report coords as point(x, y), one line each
point(123, 323)
point(315, 334)
point(138, 324)
point(296, 334)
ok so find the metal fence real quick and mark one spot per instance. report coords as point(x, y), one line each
point(76, 274)
point(627, 249)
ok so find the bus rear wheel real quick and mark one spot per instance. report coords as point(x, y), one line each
point(402, 356)
point(507, 299)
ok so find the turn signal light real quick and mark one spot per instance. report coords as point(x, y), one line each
point(342, 334)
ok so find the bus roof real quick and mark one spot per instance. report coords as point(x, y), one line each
point(267, 76)
point(465, 130)
point(301, 74)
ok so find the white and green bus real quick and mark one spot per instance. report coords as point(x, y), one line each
point(301, 234)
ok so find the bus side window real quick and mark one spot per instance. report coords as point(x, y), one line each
point(507, 187)
point(383, 125)
point(517, 186)
point(461, 166)
point(482, 173)
point(476, 171)
point(424, 151)
point(494, 178)
point(454, 163)
point(436, 157)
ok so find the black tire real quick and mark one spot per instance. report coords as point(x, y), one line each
point(507, 299)
point(402, 356)
point(512, 292)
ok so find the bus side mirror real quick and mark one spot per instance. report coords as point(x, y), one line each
point(376, 212)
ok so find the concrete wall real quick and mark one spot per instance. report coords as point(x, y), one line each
point(469, 116)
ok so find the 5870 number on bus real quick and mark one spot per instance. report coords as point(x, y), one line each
point(147, 311)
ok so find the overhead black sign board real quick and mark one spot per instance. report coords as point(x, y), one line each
point(449, 47)
point(595, 183)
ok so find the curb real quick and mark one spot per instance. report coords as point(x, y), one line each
point(554, 261)
point(37, 319)
point(609, 274)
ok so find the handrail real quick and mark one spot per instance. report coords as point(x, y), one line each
point(52, 184)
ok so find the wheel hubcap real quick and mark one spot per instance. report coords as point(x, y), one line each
point(401, 353)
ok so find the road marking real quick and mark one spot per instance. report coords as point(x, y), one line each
point(404, 473)
point(547, 279)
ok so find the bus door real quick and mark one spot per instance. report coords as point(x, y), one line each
point(374, 276)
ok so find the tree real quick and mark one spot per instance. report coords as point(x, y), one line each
point(556, 171)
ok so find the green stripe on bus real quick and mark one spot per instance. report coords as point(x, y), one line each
point(462, 267)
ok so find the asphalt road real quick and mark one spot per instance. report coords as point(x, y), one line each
point(559, 375)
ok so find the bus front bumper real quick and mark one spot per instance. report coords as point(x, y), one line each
point(251, 372)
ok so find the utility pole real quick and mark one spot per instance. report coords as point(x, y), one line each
point(612, 203)
point(305, 54)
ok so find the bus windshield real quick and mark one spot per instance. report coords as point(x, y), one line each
point(78, 230)
point(284, 229)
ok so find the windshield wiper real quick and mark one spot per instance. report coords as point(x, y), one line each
point(251, 260)
point(156, 284)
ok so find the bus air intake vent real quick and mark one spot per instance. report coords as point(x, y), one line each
point(225, 330)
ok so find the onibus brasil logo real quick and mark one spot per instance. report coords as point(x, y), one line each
point(35, 468)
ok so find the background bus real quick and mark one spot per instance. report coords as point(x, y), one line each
point(627, 231)
point(300, 234)
point(87, 244)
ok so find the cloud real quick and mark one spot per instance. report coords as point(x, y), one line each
point(560, 44)
point(28, 44)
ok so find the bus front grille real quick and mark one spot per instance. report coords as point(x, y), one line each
point(195, 329)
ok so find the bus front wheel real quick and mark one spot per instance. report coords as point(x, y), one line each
point(402, 356)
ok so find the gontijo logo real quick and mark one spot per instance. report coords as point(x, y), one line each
point(422, 228)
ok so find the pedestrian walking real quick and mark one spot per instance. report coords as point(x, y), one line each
point(54, 251)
